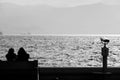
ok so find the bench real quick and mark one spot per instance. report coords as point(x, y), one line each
point(19, 70)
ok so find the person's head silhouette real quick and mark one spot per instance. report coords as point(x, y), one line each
point(11, 50)
point(21, 51)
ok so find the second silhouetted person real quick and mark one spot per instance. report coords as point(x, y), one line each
point(22, 55)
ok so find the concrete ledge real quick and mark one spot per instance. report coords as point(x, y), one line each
point(78, 74)
point(76, 70)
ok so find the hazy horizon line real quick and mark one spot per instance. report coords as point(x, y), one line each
point(62, 34)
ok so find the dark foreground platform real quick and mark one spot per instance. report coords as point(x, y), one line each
point(78, 74)
point(30, 71)
point(18, 70)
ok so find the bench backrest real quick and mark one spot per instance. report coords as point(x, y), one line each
point(18, 65)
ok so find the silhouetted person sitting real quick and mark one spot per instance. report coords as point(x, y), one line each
point(22, 55)
point(11, 56)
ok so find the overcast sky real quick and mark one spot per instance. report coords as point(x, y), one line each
point(60, 16)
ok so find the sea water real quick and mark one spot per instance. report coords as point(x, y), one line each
point(63, 51)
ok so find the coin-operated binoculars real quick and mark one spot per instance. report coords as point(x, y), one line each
point(105, 52)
